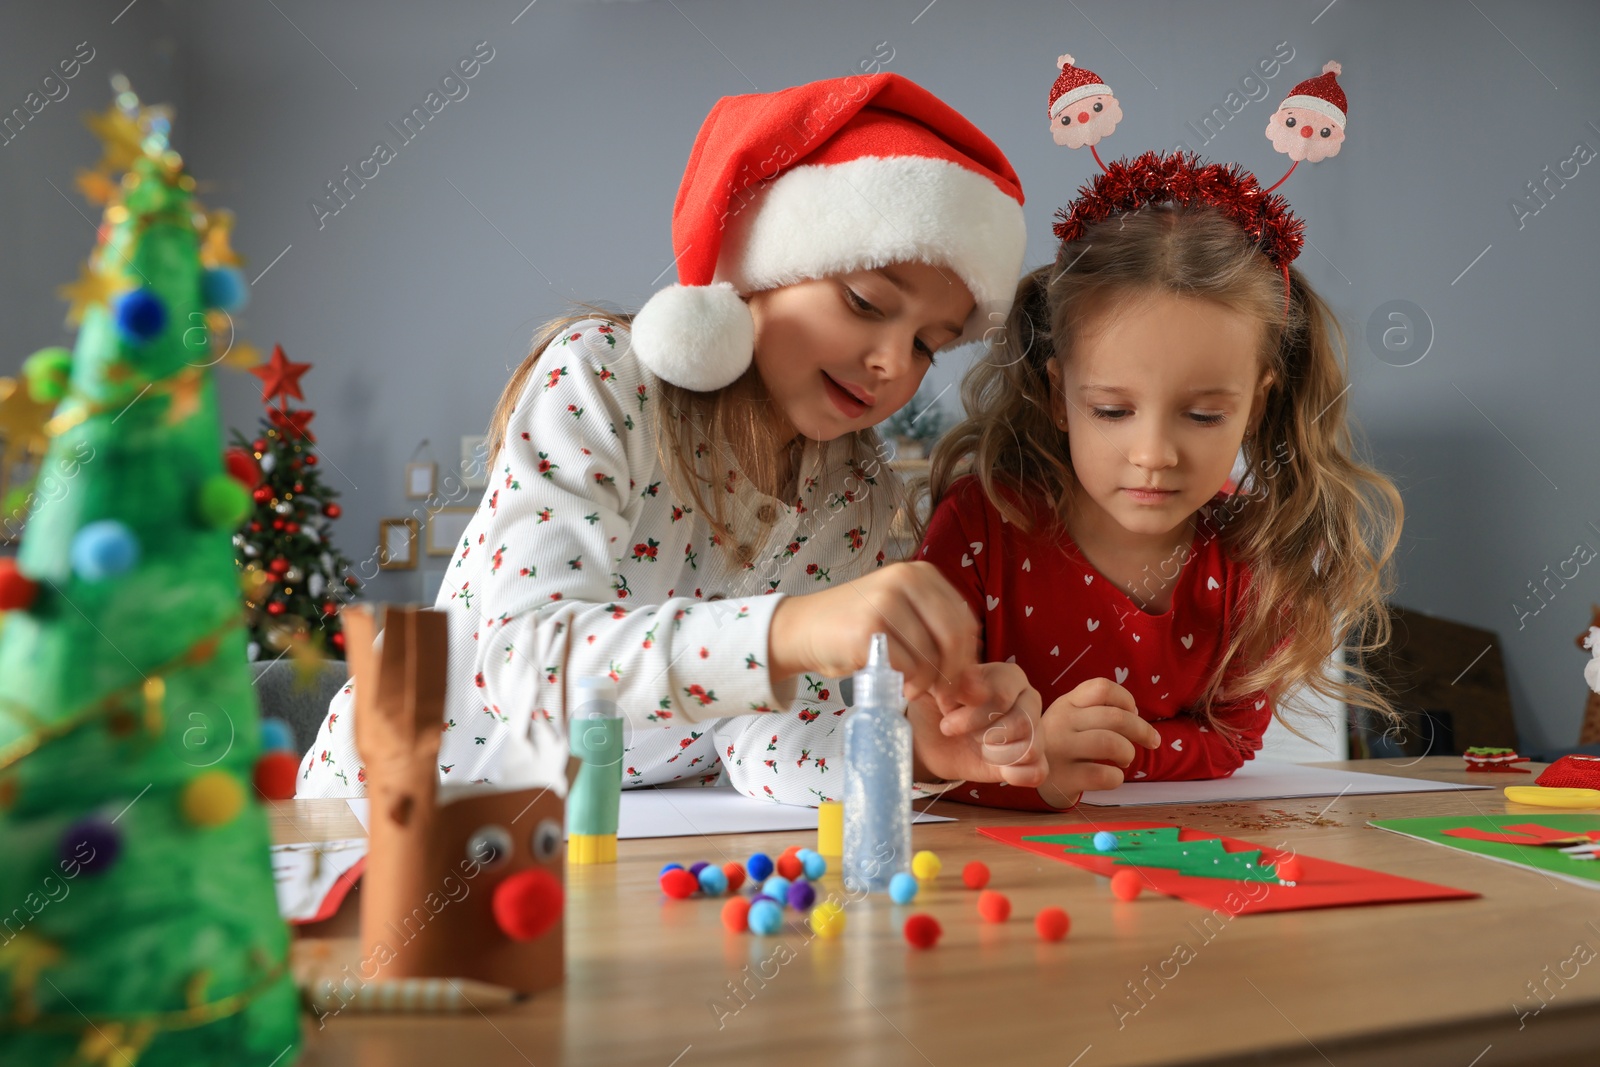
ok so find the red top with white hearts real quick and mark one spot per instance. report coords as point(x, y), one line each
point(1042, 605)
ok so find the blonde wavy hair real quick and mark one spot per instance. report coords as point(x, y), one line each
point(705, 442)
point(1318, 532)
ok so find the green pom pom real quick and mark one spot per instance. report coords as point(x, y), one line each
point(15, 504)
point(48, 372)
point(223, 502)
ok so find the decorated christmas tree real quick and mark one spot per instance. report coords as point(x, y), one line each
point(294, 571)
point(140, 923)
point(1160, 847)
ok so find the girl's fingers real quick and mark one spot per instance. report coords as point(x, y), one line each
point(1098, 745)
point(1085, 777)
point(1101, 691)
point(985, 691)
point(947, 617)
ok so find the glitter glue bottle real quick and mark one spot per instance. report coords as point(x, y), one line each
point(595, 729)
point(877, 776)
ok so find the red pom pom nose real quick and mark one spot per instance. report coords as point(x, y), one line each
point(1305, 131)
point(1083, 116)
point(528, 904)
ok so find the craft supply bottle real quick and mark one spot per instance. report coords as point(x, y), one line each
point(595, 729)
point(877, 776)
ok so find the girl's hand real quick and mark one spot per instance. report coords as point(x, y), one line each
point(933, 637)
point(983, 728)
point(1096, 721)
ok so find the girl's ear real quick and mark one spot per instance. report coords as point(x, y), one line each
point(1058, 410)
point(1258, 404)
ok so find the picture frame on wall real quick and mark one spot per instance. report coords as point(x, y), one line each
point(397, 544)
point(475, 461)
point(420, 479)
point(446, 528)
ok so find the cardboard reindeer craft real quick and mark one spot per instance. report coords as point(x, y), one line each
point(461, 881)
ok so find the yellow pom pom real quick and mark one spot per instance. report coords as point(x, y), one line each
point(926, 866)
point(212, 799)
point(827, 919)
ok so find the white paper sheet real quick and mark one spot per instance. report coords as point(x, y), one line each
point(691, 812)
point(1266, 780)
point(303, 873)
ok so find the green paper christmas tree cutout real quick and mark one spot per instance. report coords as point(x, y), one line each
point(1160, 848)
point(140, 923)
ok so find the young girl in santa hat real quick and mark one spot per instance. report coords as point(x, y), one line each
point(1086, 508)
point(691, 500)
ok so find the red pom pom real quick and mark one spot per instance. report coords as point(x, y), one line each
point(923, 931)
point(333, 511)
point(275, 775)
point(975, 875)
point(527, 904)
point(242, 467)
point(1052, 924)
point(736, 914)
point(994, 907)
point(735, 873)
point(1126, 885)
point(17, 590)
point(790, 867)
point(679, 884)
point(1289, 869)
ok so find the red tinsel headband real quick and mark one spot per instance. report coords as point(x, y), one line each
point(1309, 124)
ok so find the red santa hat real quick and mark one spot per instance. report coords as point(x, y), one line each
point(1320, 94)
point(1073, 84)
point(834, 176)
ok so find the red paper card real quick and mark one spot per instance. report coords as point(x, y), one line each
point(1323, 883)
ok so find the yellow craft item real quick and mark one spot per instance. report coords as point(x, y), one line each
point(1545, 797)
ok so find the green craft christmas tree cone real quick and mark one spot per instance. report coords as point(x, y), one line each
point(138, 919)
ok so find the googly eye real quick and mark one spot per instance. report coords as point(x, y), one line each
point(1099, 106)
point(546, 840)
point(489, 846)
point(1326, 132)
point(1066, 120)
point(1289, 122)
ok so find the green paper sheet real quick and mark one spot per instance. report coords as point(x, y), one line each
point(1544, 858)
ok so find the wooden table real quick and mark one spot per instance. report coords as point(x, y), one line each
point(648, 978)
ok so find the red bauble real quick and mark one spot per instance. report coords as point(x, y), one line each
point(333, 511)
point(275, 608)
point(311, 460)
point(275, 775)
point(350, 580)
point(242, 467)
point(337, 641)
point(299, 488)
point(277, 524)
point(278, 566)
point(291, 527)
point(262, 494)
point(17, 590)
point(259, 444)
point(255, 527)
point(330, 609)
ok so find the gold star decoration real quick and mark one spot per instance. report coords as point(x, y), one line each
point(96, 186)
point(92, 287)
point(215, 249)
point(22, 421)
point(242, 356)
point(120, 138)
point(185, 392)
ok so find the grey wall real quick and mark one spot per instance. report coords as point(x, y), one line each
point(554, 178)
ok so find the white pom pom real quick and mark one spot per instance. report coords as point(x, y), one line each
point(1332, 67)
point(700, 337)
point(1064, 60)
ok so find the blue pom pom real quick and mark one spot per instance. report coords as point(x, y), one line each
point(92, 844)
point(776, 887)
point(758, 867)
point(713, 883)
point(670, 867)
point(225, 288)
point(903, 888)
point(1105, 841)
point(815, 865)
point(104, 549)
point(277, 734)
point(140, 315)
point(802, 896)
point(765, 917)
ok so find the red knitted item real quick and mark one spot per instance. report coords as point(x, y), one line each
point(1572, 772)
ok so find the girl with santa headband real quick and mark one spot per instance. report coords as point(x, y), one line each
point(691, 501)
point(1154, 505)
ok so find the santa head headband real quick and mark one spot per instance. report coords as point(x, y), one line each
point(826, 178)
point(1309, 124)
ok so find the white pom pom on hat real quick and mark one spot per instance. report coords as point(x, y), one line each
point(826, 178)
